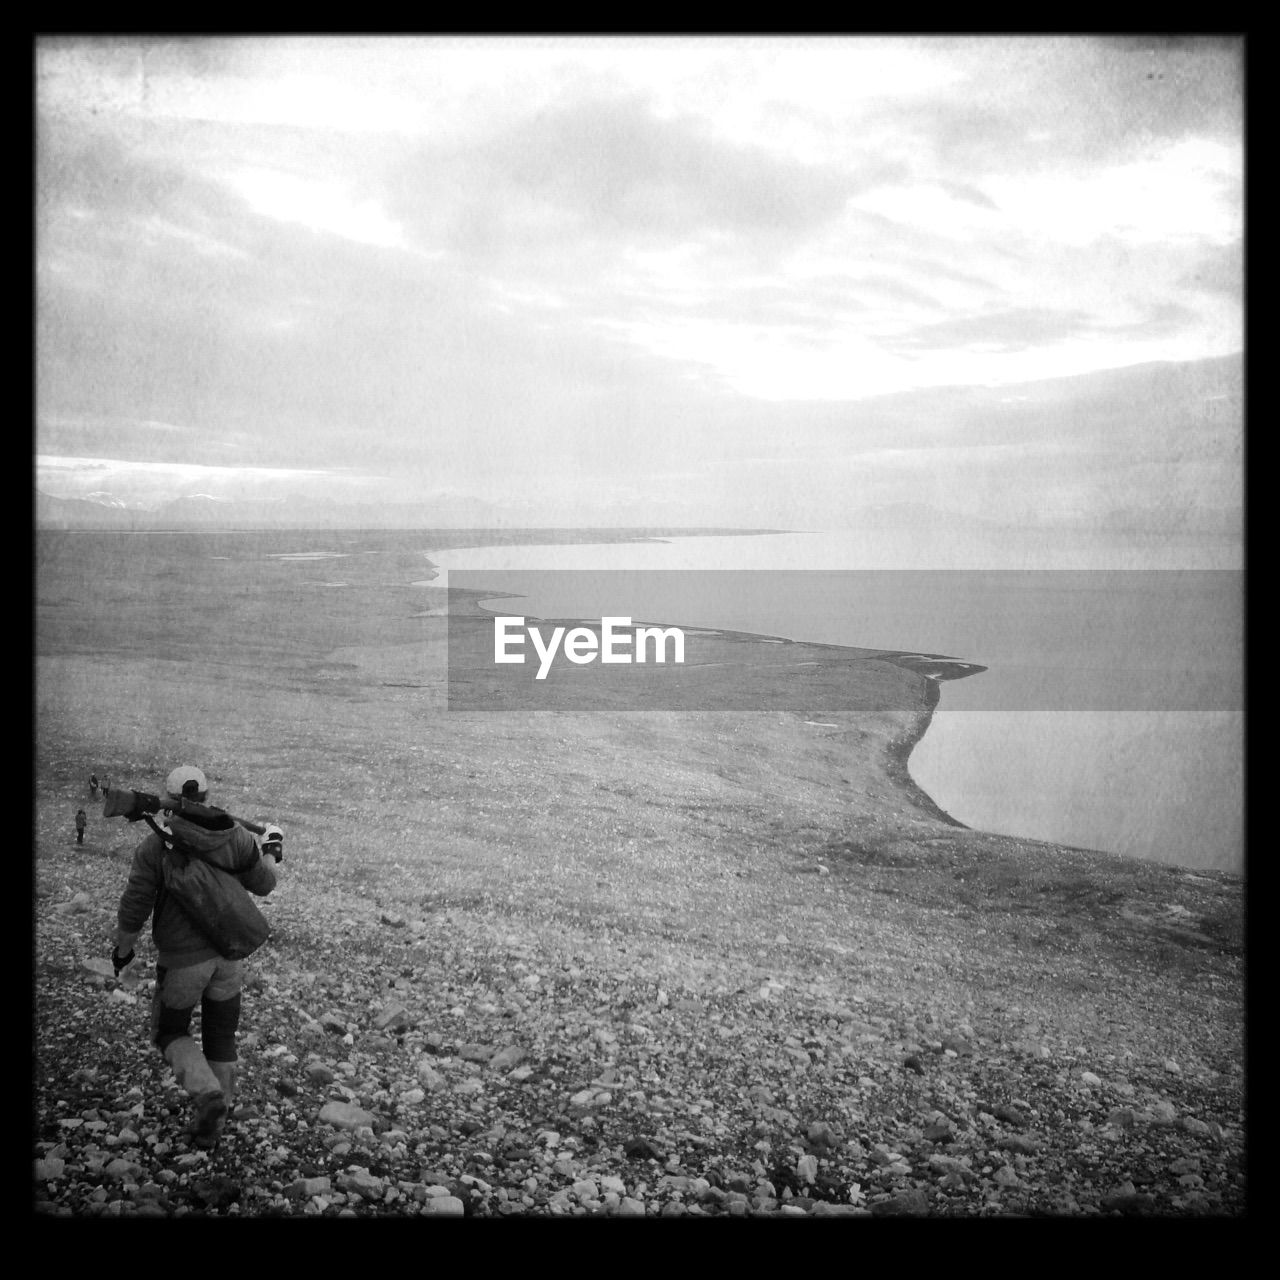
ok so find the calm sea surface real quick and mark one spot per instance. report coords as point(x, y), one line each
point(1110, 715)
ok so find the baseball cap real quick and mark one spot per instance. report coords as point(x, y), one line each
point(186, 781)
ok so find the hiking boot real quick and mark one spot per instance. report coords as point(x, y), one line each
point(210, 1109)
point(226, 1074)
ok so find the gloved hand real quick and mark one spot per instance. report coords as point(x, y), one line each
point(273, 841)
point(118, 961)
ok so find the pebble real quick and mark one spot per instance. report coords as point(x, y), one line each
point(822, 1135)
point(1021, 1143)
point(363, 1183)
point(305, 1188)
point(905, 1204)
point(1010, 1115)
point(345, 1115)
point(443, 1207)
point(393, 1015)
point(431, 1078)
point(824, 1209)
point(1127, 1199)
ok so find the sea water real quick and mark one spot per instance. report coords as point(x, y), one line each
point(1110, 716)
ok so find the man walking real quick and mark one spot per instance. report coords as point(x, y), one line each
point(190, 971)
point(81, 820)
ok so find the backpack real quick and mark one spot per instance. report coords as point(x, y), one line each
point(215, 901)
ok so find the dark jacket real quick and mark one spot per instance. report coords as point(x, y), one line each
point(221, 842)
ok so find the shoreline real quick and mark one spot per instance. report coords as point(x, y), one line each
point(370, 637)
point(900, 756)
point(897, 752)
point(1067, 800)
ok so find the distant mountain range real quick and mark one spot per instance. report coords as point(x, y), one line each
point(200, 511)
point(1168, 411)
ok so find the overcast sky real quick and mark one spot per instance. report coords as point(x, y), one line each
point(679, 274)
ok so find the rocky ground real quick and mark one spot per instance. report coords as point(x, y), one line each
point(922, 1023)
point(593, 964)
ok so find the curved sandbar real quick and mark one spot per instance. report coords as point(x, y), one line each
point(837, 686)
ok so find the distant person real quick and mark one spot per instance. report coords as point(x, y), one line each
point(93, 786)
point(81, 822)
point(189, 971)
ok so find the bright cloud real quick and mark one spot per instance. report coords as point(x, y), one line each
point(319, 206)
point(1192, 191)
point(71, 477)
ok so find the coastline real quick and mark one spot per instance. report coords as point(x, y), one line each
point(932, 669)
point(900, 754)
point(929, 669)
point(710, 901)
point(389, 642)
point(1073, 778)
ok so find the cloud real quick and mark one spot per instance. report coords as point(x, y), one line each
point(882, 286)
point(1160, 320)
point(1219, 270)
point(1015, 329)
point(151, 483)
point(1027, 105)
point(609, 169)
point(964, 191)
point(318, 206)
point(76, 436)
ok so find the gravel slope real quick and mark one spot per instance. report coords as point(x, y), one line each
point(599, 963)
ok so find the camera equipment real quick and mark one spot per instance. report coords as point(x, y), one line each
point(133, 806)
